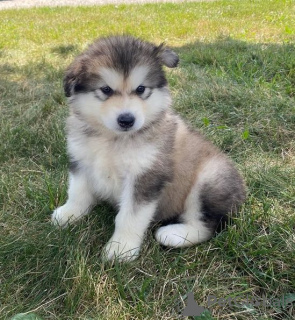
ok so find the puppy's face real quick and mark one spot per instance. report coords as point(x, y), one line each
point(119, 82)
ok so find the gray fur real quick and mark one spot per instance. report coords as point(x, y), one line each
point(74, 166)
point(90, 131)
point(222, 197)
point(121, 53)
point(169, 58)
point(149, 186)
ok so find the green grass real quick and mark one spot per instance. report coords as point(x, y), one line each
point(236, 83)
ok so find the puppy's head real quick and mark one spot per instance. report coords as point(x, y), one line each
point(119, 82)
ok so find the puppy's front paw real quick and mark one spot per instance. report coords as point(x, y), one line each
point(62, 216)
point(121, 250)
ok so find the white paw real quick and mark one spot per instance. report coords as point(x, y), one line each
point(121, 250)
point(182, 235)
point(172, 235)
point(62, 216)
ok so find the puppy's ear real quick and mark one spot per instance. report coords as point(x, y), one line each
point(72, 78)
point(169, 58)
point(70, 81)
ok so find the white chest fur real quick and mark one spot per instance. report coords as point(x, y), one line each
point(107, 162)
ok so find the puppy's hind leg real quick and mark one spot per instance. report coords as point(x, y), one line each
point(190, 230)
point(80, 201)
point(218, 191)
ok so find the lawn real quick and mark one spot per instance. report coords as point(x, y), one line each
point(235, 82)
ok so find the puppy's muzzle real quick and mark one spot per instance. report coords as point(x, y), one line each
point(126, 120)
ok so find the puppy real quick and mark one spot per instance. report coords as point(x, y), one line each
point(127, 146)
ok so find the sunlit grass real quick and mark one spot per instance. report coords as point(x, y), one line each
point(235, 82)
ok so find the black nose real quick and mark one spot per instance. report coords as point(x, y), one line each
point(126, 120)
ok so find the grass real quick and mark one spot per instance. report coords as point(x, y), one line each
point(236, 83)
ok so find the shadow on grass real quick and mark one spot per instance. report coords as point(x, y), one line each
point(33, 110)
point(233, 90)
point(225, 88)
point(239, 94)
point(246, 63)
point(65, 50)
point(241, 89)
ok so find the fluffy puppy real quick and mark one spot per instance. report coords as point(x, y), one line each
point(127, 146)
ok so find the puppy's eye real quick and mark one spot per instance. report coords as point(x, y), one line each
point(106, 90)
point(140, 89)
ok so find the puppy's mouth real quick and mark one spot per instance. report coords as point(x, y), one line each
point(125, 129)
